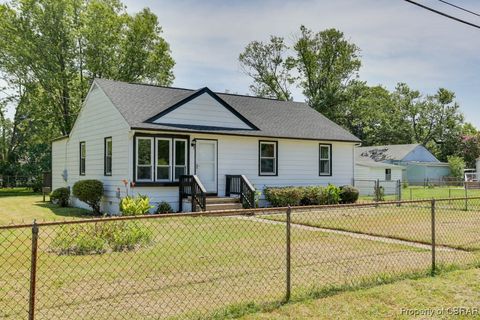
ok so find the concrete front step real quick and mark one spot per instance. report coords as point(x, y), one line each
point(224, 206)
point(217, 200)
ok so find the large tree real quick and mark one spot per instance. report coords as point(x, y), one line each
point(50, 50)
point(328, 64)
point(269, 67)
point(323, 64)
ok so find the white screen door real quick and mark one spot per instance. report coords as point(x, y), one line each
point(206, 164)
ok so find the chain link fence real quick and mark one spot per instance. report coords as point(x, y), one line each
point(380, 190)
point(213, 264)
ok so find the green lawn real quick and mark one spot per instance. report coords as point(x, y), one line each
point(194, 266)
point(444, 292)
point(455, 227)
point(419, 193)
point(23, 206)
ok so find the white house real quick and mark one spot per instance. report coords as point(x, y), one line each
point(418, 163)
point(171, 142)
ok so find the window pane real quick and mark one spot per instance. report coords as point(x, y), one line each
point(109, 147)
point(267, 150)
point(163, 173)
point(163, 152)
point(144, 173)
point(324, 152)
point(267, 166)
point(108, 163)
point(144, 151)
point(83, 150)
point(324, 166)
point(82, 165)
point(180, 151)
point(180, 170)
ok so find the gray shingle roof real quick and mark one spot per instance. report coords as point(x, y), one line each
point(283, 119)
point(384, 153)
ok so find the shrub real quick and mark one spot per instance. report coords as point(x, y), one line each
point(348, 194)
point(60, 196)
point(457, 166)
point(99, 238)
point(294, 196)
point(312, 196)
point(90, 192)
point(405, 184)
point(331, 194)
point(164, 207)
point(37, 184)
point(134, 206)
point(284, 196)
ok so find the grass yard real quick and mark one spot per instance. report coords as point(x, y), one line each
point(20, 205)
point(455, 227)
point(197, 265)
point(419, 193)
point(448, 290)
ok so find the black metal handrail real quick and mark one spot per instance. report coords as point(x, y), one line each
point(239, 184)
point(190, 186)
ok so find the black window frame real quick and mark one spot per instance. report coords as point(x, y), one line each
point(275, 174)
point(154, 181)
point(105, 172)
point(80, 172)
point(388, 176)
point(330, 153)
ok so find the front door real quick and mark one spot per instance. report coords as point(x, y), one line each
point(206, 164)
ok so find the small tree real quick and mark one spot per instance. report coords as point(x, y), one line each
point(457, 166)
point(90, 192)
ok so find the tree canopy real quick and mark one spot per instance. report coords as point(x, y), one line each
point(50, 50)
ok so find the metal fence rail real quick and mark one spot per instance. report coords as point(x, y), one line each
point(201, 264)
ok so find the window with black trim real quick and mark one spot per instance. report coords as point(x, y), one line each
point(325, 161)
point(268, 158)
point(83, 157)
point(107, 161)
point(168, 163)
point(144, 159)
point(388, 174)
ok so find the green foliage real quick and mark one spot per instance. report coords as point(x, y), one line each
point(295, 196)
point(331, 194)
point(51, 51)
point(405, 184)
point(61, 196)
point(90, 192)
point(97, 238)
point(349, 194)
point(164, 207)
point(135, 205)
point(268, 66)
point(284, 196)
point(457, 166)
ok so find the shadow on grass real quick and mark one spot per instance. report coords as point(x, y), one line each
point(65, 211)
point(15, 192)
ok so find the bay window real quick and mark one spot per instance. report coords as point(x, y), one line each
point(161, 159)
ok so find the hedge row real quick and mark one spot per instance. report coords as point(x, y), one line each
point(313, 195)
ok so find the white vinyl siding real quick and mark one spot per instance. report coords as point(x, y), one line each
point(203, 111)
point(98, 119)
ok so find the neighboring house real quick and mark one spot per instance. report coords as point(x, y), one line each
point(156, 136)
point(386, 173)
point(419, 163)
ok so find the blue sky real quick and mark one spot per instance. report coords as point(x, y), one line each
point(399, 42)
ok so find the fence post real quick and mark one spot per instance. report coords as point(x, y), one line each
point(466, 198)
point(288, 257)
point(33, 271)
point(411, 195)
point(399, 194)
point(433, 236)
